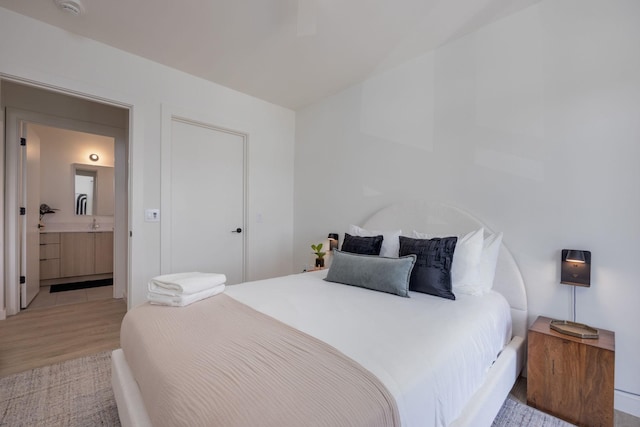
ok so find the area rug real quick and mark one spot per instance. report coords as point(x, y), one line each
point(514, 414)
point(77, 393)
point(80, 285)
point(72, 393)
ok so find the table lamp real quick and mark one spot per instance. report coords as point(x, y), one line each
point(575, 270)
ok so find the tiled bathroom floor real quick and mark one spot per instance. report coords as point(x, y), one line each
point(47, 299)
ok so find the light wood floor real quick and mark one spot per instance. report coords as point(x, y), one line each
point(43, 336)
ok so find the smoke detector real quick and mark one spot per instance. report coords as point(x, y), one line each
point(74, 7)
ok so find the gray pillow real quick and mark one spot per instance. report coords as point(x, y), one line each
point(389, 275)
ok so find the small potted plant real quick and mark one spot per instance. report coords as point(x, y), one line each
point(317, 249)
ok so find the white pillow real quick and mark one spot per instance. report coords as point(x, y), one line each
point(390, 243)
point(490, 252)
point(466, 262)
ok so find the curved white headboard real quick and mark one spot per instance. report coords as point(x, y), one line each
point(441, 219)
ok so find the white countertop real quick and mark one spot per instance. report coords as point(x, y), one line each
point(77, 228)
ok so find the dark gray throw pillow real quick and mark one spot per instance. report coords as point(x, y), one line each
point(389, 275)
point(362, 245)
point(432, 272)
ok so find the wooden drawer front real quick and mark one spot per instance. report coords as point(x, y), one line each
point(49, 238)
point(49, 269)
point(570, 380)
point(50, 251)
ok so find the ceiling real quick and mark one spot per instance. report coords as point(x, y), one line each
point(288, 52)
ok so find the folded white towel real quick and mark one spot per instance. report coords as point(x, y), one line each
point(183, 300)
point(185, 283)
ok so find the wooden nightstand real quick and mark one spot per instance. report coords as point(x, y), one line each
point(571, 378)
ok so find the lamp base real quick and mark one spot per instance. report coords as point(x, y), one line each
point(574, 329)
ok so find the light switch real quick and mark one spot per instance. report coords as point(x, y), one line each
point(152, 215)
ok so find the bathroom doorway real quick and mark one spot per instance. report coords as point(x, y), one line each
point(74, 184)
point(98, 137)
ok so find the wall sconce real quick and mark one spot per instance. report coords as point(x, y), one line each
point(94, 157)
point(575, 270)
point(333, 241)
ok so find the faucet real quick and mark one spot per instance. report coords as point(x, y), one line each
point(94, 225)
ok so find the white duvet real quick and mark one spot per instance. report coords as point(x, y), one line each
point(431, 353)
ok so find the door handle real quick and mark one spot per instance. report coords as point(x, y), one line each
point(237, 230)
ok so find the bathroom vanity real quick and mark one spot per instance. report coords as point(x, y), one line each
point(75, 256)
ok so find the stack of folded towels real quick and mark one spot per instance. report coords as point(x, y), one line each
point(178, 290)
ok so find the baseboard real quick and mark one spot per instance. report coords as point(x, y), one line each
point(627, 402)
point(3, 314)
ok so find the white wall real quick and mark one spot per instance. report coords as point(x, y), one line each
point(531, 123)
point(51, 56)
point(60, 149)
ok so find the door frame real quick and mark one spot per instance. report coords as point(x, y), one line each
point(12, 238)
point(169, 114)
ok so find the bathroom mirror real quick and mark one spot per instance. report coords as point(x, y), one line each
point(93, 190)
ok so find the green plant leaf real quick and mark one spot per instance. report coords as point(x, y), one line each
point(317, 249)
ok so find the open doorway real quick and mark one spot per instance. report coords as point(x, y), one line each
point(95, 243)
point(71, 258)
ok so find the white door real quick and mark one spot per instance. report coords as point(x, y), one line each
point(30, 200)
point(206, 217)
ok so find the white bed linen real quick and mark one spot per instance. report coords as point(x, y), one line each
point(432, 354)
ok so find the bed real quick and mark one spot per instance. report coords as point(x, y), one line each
point(463, 383)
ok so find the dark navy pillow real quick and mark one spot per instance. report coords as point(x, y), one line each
point(431, 273)
point(362, 245)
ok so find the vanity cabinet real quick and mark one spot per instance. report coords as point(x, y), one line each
point(49, 256)
point(64, 255)
point(103, 260)
point(77, 254)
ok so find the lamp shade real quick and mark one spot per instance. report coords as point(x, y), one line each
point(575, 267)
point(575, 256)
